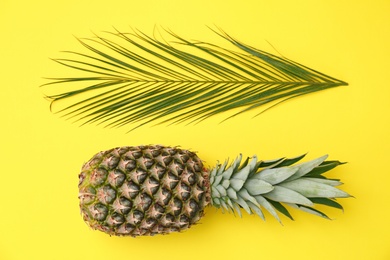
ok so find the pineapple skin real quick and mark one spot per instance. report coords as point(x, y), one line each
point(143, 190)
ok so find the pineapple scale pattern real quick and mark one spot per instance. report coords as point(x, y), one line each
point(143, 190)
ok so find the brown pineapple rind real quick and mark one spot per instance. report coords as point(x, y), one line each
point(143, 190)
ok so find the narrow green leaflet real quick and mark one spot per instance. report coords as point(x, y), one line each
point(327, 202)
point(134, 79)
point(281, 208)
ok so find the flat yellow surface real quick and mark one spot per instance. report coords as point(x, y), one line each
point(41, 153)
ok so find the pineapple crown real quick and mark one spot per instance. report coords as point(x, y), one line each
point(256, 185)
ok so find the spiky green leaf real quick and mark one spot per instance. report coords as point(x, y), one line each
point(279, 207)
point(323, 167)
point(257, 187)
point(275, 175)
point(327, 202)
point(309, 210)
point(256, 209)
point(306, 167)
point(279, 183)
point(282, 194)
point(268, 206)
point(313, 189)
point(133, 78)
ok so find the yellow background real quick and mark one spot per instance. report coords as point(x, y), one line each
point(41, 154)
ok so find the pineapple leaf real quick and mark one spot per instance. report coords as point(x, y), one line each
point(327, 202)
point(133, 78)
point(268, 206)
point(285, 195)
point(275, 175)
point(256, 209)
point(290, 161)
point(306, 167)
point(257, 187)
point(312, 189)
point(279, 207)
point(270, 163)
point(323, 167)
point(325, 181)
point(278, 182)
point(243, 164)
point(312, 211)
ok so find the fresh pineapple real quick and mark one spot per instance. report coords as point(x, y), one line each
point(148, 190)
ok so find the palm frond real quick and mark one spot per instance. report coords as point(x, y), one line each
point(133, 78)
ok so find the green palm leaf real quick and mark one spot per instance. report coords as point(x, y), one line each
point(132, 78)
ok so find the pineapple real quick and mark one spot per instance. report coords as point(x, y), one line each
point(148, 190)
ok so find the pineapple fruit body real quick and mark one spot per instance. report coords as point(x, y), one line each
point(148, 190)
point(143, 190)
